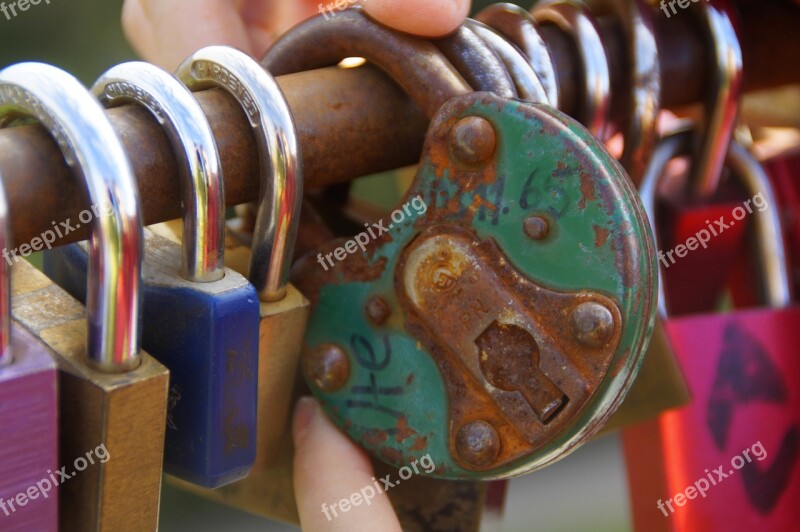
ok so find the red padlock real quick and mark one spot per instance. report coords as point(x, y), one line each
point(696, 280)
point(731, 459)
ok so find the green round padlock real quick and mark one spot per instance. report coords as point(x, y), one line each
point(494, 321)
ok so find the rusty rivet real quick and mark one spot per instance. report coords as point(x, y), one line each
point(327, 367)
point(478, 443)
point(472, 140)
point(536, 227)
point(378, 310)
point(592, 324)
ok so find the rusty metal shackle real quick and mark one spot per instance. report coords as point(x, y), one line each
point(519, 28)
point(414, 63)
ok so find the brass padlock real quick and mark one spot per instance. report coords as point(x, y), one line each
point(113, 396)
point(659, 386)
point(284, 310)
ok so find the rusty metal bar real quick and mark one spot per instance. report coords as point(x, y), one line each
point(354, 122)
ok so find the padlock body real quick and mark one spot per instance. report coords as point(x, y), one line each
point(693, 282)
point(739, 439)
point(29, 436)
point(453, 333)
point(659, 386)
point(122, 414)
point(207, 335)
point(268, 489)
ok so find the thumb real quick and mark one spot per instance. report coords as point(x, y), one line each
point(334, 484)
point(429, 18)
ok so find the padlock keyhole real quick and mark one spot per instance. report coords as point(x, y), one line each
point(509, 358)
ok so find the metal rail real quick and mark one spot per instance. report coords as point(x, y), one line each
point(354, 122)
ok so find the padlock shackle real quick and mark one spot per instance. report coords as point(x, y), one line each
point(281, 180)
point(518, 26)
point(6, 357)
point(192, 140)
point(479, 64)
point(413, 62)
point(643, 100)
point(768, 224)
point(575, 19)
point(528, 85)
point(489, 63)
point(80, 127)
point(720, 21)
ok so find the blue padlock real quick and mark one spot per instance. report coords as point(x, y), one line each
point(201, 320)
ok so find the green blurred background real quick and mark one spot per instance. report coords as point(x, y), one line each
point(82, 36)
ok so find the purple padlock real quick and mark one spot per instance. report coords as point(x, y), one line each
point(28, 417)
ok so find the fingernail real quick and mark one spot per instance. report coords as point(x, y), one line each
point(304, 412)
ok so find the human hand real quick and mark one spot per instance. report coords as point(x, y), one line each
point(165, 32)
point(328, 468)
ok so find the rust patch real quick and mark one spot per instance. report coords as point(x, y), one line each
point(587, 189)
point(392, 456)
point(403, 430)
point(420, 444)
point(600, 236)
point(375, 437)
point(409, 379)
point(309, 277)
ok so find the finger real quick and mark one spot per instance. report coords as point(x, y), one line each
point(334, 483)
point(268, 19)
point(430, 18)
point(165, 32)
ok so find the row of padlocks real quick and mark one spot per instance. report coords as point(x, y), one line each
point(506, 312)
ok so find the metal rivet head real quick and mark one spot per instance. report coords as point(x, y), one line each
point(473, 140)
point(478, 443)
point(592, 324)
point(536, 227)
point(378, 310)
point(327, 366)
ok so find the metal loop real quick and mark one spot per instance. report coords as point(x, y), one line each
point(479, 63)
point(76, 121)
point(6, 356)
point(279, 151)
point(190, 135)
point(575, 19)
point(414, 63)
point(723, 99)
point(527, 82)
point(644, 99)
point(748, 170)
point(519, 27)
